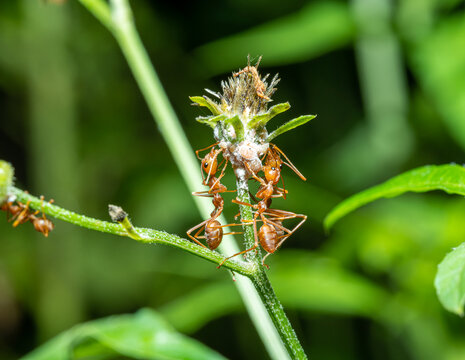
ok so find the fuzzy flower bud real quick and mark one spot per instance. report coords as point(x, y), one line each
point(240, 115)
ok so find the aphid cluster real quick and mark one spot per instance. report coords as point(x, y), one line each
point(238, 124)
point(20, 213)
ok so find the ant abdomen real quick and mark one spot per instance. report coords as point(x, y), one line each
point(213, 234)
point(43, 226)
point(268, 238)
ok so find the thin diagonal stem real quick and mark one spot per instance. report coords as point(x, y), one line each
point(147, 236)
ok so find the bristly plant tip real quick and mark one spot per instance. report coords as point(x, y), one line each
point(240, 114)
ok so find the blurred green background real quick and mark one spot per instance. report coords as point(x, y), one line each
point(387, 81)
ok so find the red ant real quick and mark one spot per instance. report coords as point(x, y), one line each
point(272, 233)
point(21, 214)
point(209, 164)
point(213, 230)
point(273, 166)
point(260, 87)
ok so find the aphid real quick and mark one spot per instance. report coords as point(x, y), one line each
point(21, 213)
point(213, 230)
point(259, 85)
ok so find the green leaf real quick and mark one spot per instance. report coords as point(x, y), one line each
point(448, 178)
point(143, 335)
point(236, 123)
point(207, 102)
point(290, 125)
point(210, 120)
point(450, 280)
point(6, 178)
point(261, 120)
point(285, 40)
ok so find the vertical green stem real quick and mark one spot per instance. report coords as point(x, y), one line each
point(262, 283)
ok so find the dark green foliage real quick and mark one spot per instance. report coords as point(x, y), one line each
point(387, 84)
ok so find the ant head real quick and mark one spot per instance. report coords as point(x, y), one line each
point(210, 162)
point(273, 159)
point(272, 173)
point(44, 226)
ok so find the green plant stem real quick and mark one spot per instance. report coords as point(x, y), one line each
point(263, 284)
point(123, 28)
point(147, 236)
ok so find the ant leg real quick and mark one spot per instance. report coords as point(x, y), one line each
point(245, 251)
point(22, 216)
point(41, 207)
point(280, 227)
point(283, 214)
point(284, 239)
point(51, 201)
point(240, 72)
point(200, 227)
point(254, 175)
point(201, 173)
point(219, 191)
point(208, 147)
point(253, 197)
point(202, 193)
point(289, 163)
point(284, 191)
point(219, 177)
point(279, 192)
point(239, 253)
point(232, 224)
point(304, 218)
point(217, 152)
point(233, 233)
point(235, 201)
point(263, 261)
